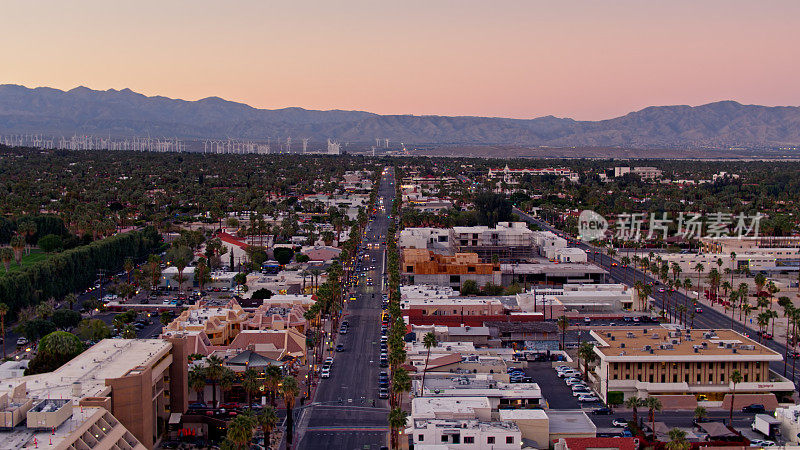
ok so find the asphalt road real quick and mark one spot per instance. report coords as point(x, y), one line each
point(708, 319)
point(342, 415)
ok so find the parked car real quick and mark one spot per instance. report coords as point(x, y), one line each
point(383, 393)
point(754, 408)
point(587, 398)
point(619, 422)
point(582, 393)
point(601, 411)
point(761, 443)
point(326, 372)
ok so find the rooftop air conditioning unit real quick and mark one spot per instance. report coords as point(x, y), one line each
point(622, 345)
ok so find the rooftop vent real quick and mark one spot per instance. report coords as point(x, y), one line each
point(622, 345)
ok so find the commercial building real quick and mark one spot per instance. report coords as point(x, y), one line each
point(645, 173)
point(501, 395)
point(690, 363)
point(220, 323)
point(421, 266)
point(137, 383)
point(463, 434)
point(580, 298)
point(551, 273)
point(508, 241)
point(434, 239)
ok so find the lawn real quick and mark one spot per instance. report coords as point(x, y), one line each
point(34, 257)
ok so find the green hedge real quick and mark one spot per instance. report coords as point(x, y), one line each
point(74, 269)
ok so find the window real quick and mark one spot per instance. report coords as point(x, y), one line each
point(663, 378)
point(455, 278)
point(710, 377)
point(470, 268)
point(469, 439)
point(490, 440)
point(638, 365)
point(509, 439)
point(699, 365)
point(444, 438)
point(698, 377)
point(674, 377)
point(722, 378)
point(409, 268)
point(420, 437)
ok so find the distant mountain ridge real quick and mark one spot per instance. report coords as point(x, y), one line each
point(124, 113)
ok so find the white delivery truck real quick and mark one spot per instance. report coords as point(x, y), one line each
point(766, 425)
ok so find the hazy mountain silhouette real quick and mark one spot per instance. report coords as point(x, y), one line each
point(125, 113)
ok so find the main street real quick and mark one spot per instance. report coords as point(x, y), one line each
point(708, 319)
point(346, 412)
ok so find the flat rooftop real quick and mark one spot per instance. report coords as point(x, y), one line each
point(660, 343)
point(22, 437)
point(431, 407)
point(470, 386)
point(109, 358)
point(570, 422)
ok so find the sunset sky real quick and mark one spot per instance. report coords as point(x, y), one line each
point(581, 59)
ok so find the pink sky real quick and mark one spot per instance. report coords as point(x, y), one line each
point(582, 59)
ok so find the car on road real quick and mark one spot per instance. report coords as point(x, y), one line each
point(754, 408)
point(601, 411)
point(383, 393)
point(698, 310)
point(329, 360)
point(587, 398)
point(384, 362)
point(619, 422)
point(340, 348)
point(343, 330)
point(326, 372)
point(761, 443)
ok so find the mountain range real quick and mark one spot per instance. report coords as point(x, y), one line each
point(123, 113)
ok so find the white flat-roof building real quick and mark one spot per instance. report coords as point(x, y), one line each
point(463, 434)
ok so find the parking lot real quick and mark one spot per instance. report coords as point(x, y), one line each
point(557, 394)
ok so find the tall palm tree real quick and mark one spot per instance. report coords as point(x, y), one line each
point(197, 382)
point(634, 403)
point(272, 379)
point(746, 309)
point(401, 382)
point(6, 255)
point(587, 354)
point(563, 325)
point(397, 420)
point(227, 381)
point(214, 372)
point(267, 419)
point(18, 246)
point(699, 268)
point(290, 389)
point(3, 312)
point(653, 405)
point(251, 384)
point(428, 341)
point(736, 378)
point(129, 266)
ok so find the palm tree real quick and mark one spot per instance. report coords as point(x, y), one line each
point(290, 389)
point(240, 431)
point(700, 413)
point(197, 382)
point(736, 378)
point(428, 341)
point(227, 381)
point(214, 373)
point(681, 312)
point(18, 245)
point(762, 319)
point(267, 419)
point(653, 405)
point(250, 384)
point(699, 268)
point(272, 379)
point(6, 255)
point(677, 440)
point(772, 316)
point(587, 354)
point(760, 280)
point(128, 266)
point(634, 403)
point(746, 309)
point(397, 420)
point(401, 382)
point(3, 312)
point(563, 325)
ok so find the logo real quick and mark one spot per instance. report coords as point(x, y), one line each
point(591, 226)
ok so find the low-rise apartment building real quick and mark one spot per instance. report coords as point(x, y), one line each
point(695, 363)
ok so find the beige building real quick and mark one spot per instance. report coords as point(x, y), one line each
point(692, 363)
point(133, 384)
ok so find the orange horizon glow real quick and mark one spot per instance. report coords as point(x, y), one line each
point(584, 59)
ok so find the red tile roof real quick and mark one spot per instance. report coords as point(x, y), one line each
point(622, 443)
